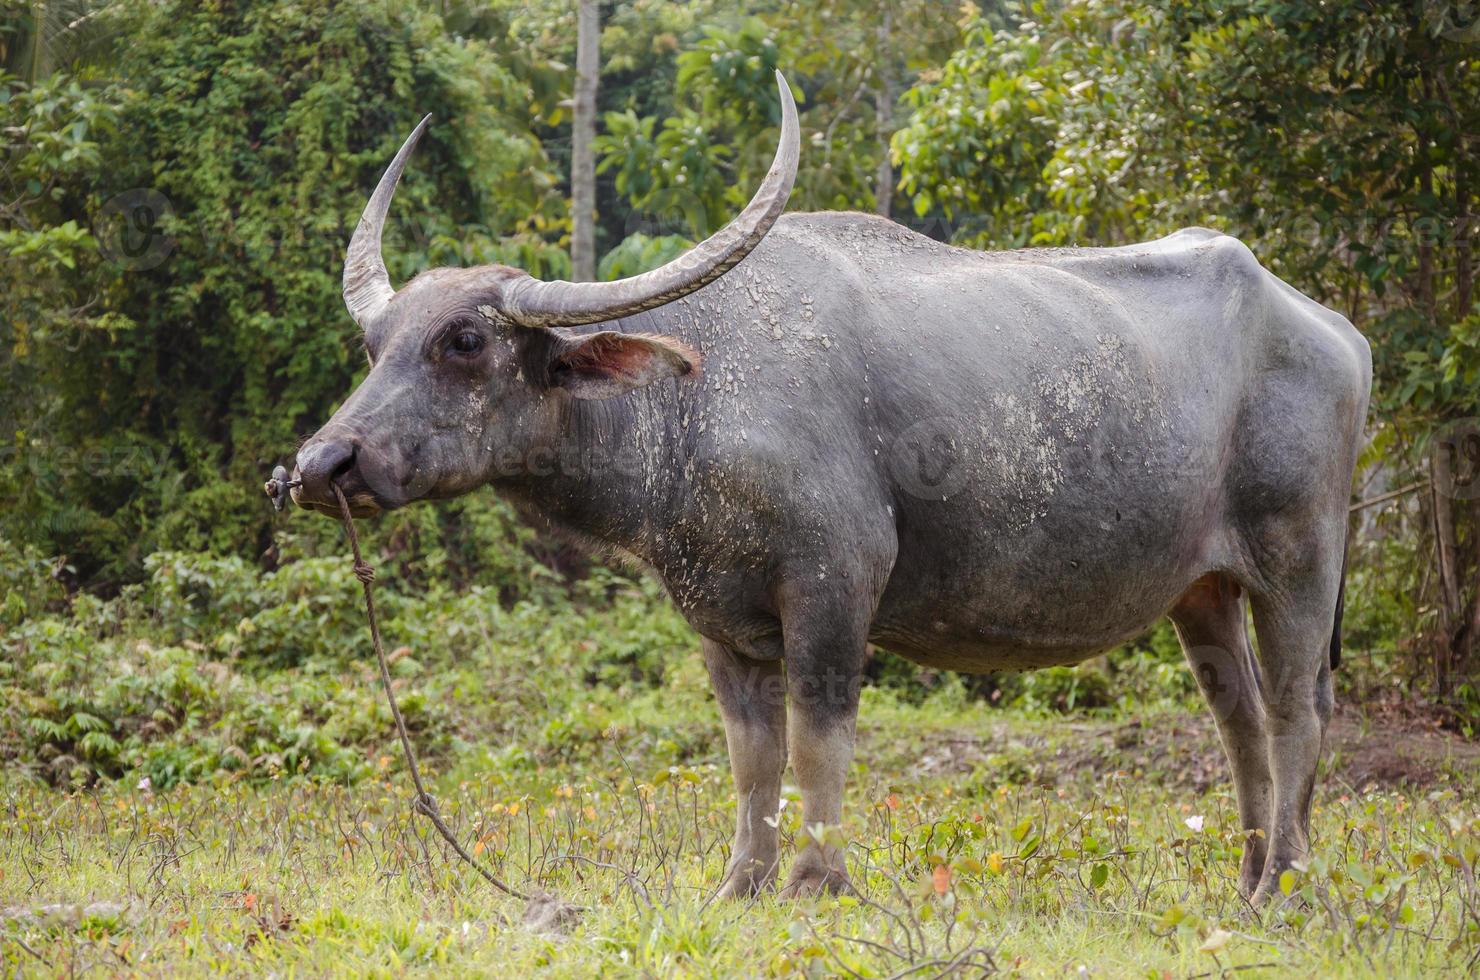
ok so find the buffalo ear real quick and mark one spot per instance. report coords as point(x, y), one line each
point(607, 364)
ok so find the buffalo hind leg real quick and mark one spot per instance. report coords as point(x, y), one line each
point(1294, 632)
point(752, 700)
point(824, 669)
point(1210, 623)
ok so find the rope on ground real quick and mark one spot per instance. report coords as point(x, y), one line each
point(424, 804)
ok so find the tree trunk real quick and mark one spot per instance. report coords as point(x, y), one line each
point(582, 156)
point(38, 38)
point(883, 123)
point(1446, 545)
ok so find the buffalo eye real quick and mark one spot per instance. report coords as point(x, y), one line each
point(466, 342)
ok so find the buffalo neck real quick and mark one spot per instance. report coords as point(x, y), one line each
point(608, 472)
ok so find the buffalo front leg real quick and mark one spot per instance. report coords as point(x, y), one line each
point(824, 669)
point(1210, 623)
point(752, 700)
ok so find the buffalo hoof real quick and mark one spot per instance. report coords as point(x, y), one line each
point(1268, 896)
point(1248, 883)
point(1251, 867)
point(811, 880)
point(1261, 893)
point(747, 881)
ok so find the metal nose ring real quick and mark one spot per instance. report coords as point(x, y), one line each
point(277, 488)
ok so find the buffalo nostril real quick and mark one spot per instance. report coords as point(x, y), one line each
point(343, 467)
point(321, 463)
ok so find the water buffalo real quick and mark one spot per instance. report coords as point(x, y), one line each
point(824, 430)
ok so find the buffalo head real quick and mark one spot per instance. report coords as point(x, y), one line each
point(470, 366)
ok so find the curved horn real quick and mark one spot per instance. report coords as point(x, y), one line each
point(367, 288)
point(533, 303)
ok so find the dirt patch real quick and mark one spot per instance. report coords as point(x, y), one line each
point(1382, 750)
point(1394, 749)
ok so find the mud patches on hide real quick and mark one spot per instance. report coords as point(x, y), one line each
point(1028, 434)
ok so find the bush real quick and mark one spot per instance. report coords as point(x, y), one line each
point(1146, 671)
point(212, 667)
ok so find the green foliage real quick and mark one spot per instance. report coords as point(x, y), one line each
point(38, 37)
point(638, 253)
point(678, 174)
point(30, 583)
point(213, 667)
point(698, 166)
point(160, 383)
point(1051, 133)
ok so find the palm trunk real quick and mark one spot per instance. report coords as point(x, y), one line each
point(38, 35)
point(883, 121)
point(582, 156)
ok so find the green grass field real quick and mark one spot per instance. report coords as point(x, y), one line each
point(201, 777)
point(980, 843)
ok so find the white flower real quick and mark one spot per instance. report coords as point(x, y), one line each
point(1194, 824)
point(145, 784)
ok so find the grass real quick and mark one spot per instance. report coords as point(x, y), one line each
point(972, 853)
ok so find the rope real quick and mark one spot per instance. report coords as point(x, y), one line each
point(424, 803)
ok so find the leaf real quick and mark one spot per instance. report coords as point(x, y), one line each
point(1217, 939)
point(1287, 881)
point(941, 879)
point(1099, 876)
point(994, 862)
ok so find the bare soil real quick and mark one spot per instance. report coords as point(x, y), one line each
point(1364, 750)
